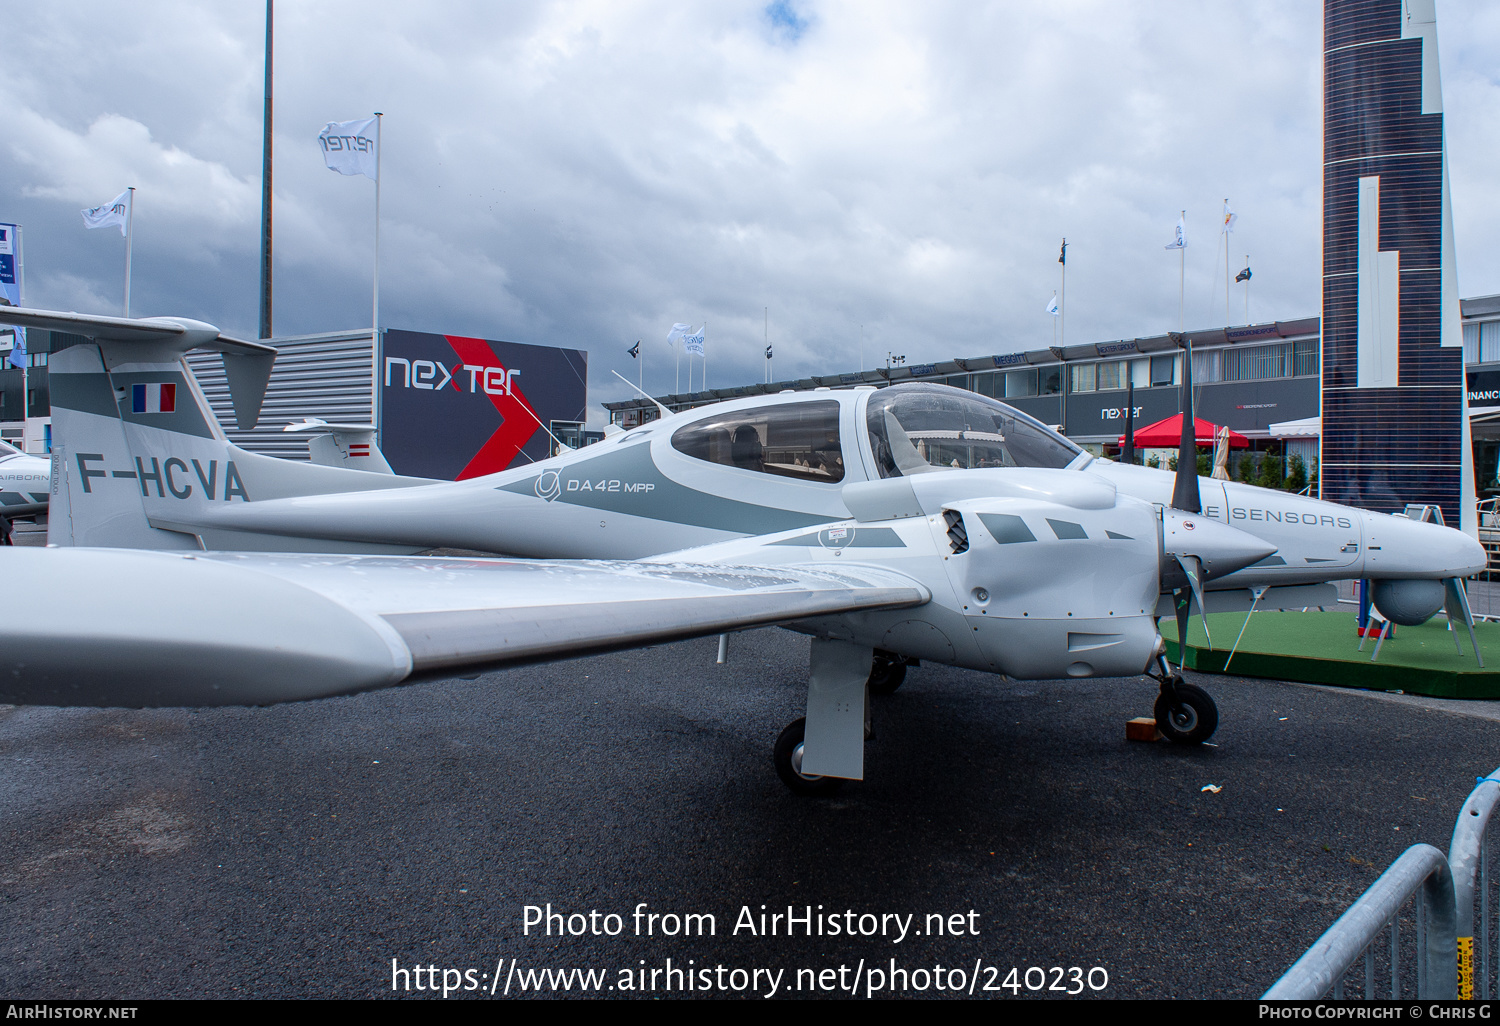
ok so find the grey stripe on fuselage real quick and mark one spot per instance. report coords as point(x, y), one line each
point(855, 538)
point(85, 393)
point(634, 486)
point(95, 393)
point(186, 418)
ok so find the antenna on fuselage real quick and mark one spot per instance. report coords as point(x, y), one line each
point(665, 413)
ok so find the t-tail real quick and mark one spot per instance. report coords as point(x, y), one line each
point(139, 459)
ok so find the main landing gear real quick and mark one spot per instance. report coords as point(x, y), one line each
point(1184, 712)
point(788, 756)
point(887, 672)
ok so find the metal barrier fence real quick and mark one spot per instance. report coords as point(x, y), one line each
point(1421, 874)
point(1444, 893)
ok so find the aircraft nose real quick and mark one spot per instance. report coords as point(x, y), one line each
point(1397, 547)
point(1220, 549)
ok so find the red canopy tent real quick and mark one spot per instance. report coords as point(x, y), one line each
point(1165, 434)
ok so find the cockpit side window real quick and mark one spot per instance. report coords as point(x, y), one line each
point(920, 428)
point(6, 449)
point(799, 440)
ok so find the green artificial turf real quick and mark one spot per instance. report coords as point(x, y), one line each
point(1323, 648)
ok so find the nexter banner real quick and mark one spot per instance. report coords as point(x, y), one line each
point(456, 408)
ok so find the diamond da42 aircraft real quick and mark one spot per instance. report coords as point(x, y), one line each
point(917, 522)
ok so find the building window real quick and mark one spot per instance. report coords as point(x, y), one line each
point(957, 381)
point(1111, 376)
point(1206, 367)
point(1049, 380)
point(1257, 362)
point(1305, 358)
point(1018, 384)
point(1489, 342)
point(1083, 377)
point(1163, 371)
point(1471, 343)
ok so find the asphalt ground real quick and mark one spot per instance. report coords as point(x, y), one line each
point(296, 850)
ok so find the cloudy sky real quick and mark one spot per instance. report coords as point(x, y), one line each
point(883, 177)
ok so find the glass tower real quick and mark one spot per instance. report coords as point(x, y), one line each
point(1394, 428)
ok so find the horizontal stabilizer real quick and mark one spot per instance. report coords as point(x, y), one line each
point(247, 365)
point(351, 446)
point(116, 627)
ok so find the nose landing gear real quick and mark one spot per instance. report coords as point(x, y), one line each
point(1185, 713)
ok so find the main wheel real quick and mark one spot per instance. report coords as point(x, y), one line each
point(1190, 718)
point(788, 755)
point(886, 674)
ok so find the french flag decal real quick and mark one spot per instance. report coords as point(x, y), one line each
point(154, 398)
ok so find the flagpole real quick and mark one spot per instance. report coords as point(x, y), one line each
point(26, 362)
point(265, 194)
point(129, 227)
point(375, 301)
point(1062, 304)
point(1247, 290)
point(1226, 268)
point(768, 342)
point(640, 369)
point(1182, 281)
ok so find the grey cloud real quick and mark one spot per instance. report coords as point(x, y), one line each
point(585, 174)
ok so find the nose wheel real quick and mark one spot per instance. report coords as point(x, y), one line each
point(788, 757)
point(1185, 713)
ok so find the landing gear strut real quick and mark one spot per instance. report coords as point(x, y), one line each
point(1184, 712)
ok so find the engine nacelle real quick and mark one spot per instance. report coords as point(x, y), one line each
point(1051, 590)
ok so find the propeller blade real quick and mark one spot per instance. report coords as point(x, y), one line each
point(1194, 571)
point(1185, 489)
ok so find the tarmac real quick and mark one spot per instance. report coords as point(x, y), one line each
point(297, 850)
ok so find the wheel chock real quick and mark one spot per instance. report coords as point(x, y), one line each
point(1142, 728)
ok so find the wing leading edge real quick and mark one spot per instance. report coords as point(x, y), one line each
point(113, 627)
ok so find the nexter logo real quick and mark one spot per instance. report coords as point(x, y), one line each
point(434, 375)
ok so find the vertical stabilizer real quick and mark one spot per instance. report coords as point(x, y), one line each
point(97, 484)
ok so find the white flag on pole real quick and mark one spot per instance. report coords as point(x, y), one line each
point(678, 331)
point(116, 211)
point(349, 147)
point(693, 342)
point(1052, 305)
point(1179, 239)
point(1229, 218)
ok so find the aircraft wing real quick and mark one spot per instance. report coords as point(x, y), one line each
point(120, 627)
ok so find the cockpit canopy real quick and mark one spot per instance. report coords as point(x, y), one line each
point(798, 440)
point(916, 428)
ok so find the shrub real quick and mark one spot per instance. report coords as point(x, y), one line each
point(1271, 475)
point(1296, 475)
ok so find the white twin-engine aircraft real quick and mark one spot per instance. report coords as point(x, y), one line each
point(918, 522)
